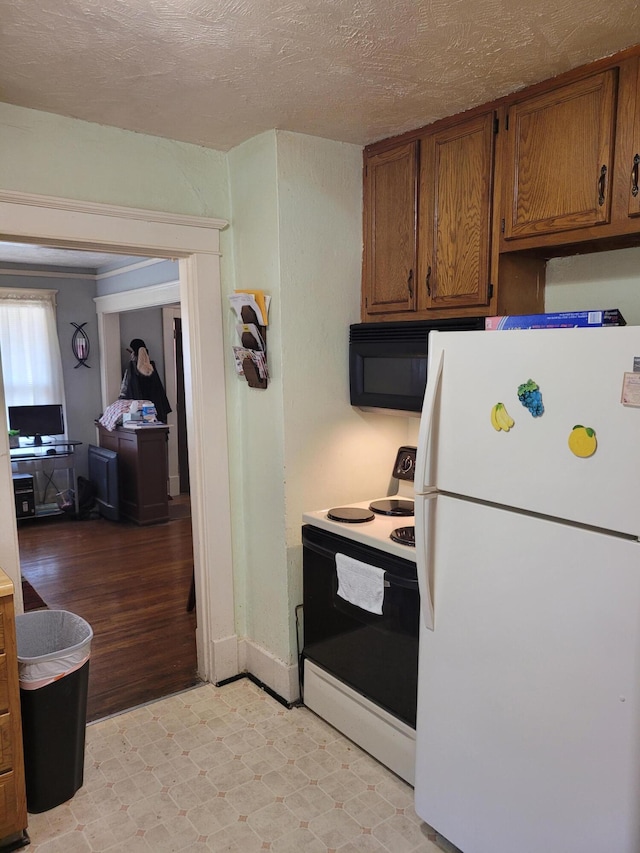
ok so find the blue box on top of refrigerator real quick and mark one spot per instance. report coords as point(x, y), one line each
point(559, 320)
point(526, 524)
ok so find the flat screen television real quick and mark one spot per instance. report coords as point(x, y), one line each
point(103, 474)
point(36, 421)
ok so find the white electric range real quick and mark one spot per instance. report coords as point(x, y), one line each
point(361, 667)
point(394, 515)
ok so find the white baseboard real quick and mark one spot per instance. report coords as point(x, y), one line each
point(270, 670)
point(224, 658)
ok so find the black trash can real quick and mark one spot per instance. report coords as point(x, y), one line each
point(53, 663)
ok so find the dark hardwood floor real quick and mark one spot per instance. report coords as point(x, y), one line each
point(132, 585)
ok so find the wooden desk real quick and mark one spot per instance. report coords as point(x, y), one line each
point(142, 471)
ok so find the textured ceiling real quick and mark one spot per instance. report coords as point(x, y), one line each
point(44, 256)
point(217, 72)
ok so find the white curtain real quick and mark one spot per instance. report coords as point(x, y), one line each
point(29, 348)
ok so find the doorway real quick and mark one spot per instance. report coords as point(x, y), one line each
point(131, 583)
point(195, 241)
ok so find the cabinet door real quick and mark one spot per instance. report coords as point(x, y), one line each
point(390, 209)
point(455, 215)
point(559, 158)
point(13, 803)
point(634, 166)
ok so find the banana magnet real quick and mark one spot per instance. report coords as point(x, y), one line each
point(500, 418)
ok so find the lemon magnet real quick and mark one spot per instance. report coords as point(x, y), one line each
point(582, 441)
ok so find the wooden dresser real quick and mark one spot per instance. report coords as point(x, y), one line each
point(13, 801)
point(142, 471)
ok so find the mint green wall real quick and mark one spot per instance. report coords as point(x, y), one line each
point(51, 155)
point(598, 280)
point(296, 215)
point(332, 452)
point(256, 443)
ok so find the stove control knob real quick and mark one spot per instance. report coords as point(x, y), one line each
point(405, 463)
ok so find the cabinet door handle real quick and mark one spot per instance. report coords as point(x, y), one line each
point(410, 284)
point(634, 176)
point(602, 180)
point(427, 280)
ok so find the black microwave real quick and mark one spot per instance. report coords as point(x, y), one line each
point(388, 362)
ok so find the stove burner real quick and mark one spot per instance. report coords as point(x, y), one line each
point(404, 535)
point(392, 506)
point(350, 515)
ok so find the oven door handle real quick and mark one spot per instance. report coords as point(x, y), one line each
point(327, 553)
point(390, 578)
point(406, 583)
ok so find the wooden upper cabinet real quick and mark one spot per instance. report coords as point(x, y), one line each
point(390, 210)
point(633, 164)
point(459, 220)
point(456, 169)
point(557, 173)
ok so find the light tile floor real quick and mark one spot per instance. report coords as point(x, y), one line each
point(230, 769)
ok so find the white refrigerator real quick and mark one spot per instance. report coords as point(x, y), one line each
point(528, 730)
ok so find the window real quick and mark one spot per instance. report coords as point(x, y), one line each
point(29, 347)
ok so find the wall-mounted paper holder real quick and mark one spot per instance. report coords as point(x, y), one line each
point(251, 355)
point(249, 367)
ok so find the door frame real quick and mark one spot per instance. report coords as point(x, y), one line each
point(169, 314)
point(195, 241)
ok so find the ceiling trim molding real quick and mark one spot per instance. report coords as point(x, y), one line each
point(100, 209)
point(167, 293)
point(40, 273)
point(149, 262)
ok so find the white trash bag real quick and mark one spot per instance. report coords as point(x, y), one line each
point(51, 644)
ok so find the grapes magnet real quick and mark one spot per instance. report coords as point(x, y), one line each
point(582, 441)
point(530, 396)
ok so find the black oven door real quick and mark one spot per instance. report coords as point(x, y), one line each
point(375, 655)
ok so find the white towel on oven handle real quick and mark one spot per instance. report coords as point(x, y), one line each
point(360, 583)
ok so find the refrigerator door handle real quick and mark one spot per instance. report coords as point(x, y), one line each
point(423, 457)
point(425, 506)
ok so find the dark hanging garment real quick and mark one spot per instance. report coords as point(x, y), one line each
point(137, 385)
